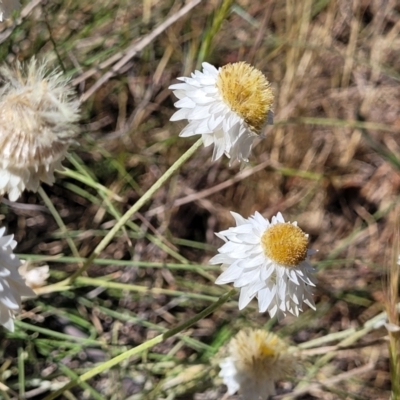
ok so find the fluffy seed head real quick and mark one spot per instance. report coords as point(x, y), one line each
point(247, 92)
point(258, 351)
point(286, 244)
point(257, 359)
point(38, 113)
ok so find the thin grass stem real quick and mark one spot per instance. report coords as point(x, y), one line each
point(144, 346)
point(136, 207)
point(59, 221)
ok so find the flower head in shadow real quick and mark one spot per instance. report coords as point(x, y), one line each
point(257, 359)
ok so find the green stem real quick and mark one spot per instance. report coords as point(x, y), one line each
point(136, 207)
point(220, 15)
point(144, 346)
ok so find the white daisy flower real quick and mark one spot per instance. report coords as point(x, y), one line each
point(7, 7)
point(267, 260)
point(257, 359)
point(228, 106)
point(37, 124)
point(12, 286)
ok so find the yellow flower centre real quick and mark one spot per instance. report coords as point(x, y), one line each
point(286, 244)
point(267, 350)
point(247, 92)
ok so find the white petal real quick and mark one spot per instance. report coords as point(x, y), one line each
point(255, 287)
point(249, 238)
point(199, 112)
point(265, 297)
point(210, 68)
point(186, 102)
point(12, 286)
point(230, 275)
point(267, 271)
point(219, 149)
point(293, 276)
point(238, 219)
point(221, 259)
point(207, 140)
point(244, 298)
point(279, 218)
point(272, 311)
point(180, 114)
point(252, 262)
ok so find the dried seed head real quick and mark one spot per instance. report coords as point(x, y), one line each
point(38, 115)
point(257, 359)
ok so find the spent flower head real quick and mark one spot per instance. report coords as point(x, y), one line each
point(12, 286)
point(228, 106)
point(38, 115)
point(267, 260)
point(257, 359)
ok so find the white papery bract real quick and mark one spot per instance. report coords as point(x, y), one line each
point(257, 359)
point(7, 7)
point(228, 106)
point(38, 113)
point(229, 375)
point(267, 260)
point(34, 276)
point(12, 286)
